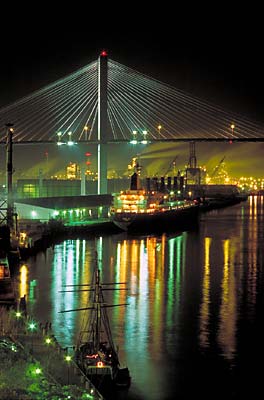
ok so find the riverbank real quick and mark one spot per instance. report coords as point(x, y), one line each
point(42, 368)
point(55, 232)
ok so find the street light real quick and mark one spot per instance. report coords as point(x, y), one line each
point(86, 128)
point(32, 326)
point(144, 141)
point(59, 142)
point(68, 359)
point(70, 142)
point(134, 140)
point(232, 126)
point(159, 129)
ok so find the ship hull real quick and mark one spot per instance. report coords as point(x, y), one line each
point(106, 380)
point(161, 221)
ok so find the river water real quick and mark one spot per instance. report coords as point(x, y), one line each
point(194, 323)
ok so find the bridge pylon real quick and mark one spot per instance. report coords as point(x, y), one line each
point(102, 123)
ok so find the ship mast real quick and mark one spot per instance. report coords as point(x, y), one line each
point(98, 318)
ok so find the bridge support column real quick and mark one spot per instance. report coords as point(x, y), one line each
point(102, 124)
point(9, 171)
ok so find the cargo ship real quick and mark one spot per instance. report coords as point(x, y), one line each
point(142, 210)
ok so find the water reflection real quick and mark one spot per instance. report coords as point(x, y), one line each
point(23, 281)
point(204, 309)
point(189, 297)
point(227, 315)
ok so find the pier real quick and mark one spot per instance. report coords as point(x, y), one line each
point(35, 344)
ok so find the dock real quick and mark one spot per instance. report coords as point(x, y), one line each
point(39, 346)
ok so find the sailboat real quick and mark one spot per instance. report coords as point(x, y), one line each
point(95, 352)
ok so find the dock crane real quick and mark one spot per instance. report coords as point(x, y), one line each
point(172, 164)
point(216, 169)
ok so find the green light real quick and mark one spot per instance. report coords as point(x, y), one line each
point(38, 371)
point(48, 340)
point(32, 326)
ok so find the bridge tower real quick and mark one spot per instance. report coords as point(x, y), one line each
point(102, 123)
point(9, 170)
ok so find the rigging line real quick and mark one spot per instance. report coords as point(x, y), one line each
point(115, 107)
point(92, 117)
point(137, 122)
point(176, 114)
point(87, 123)
point(137, 100)
point(219, 132)
point(40, 91)
point(44, 112)
point(152, 105)
point(81, 107)
point(94, 120)
point(229, 116)
point(143, 105)
point(36, 102)
point(43, 116)
point(185, 96)
point(78, 120)
point(117, 120)
point(172, 88)
point(115, 98)
point(222, 121)
point(68, 115)
point(126, 116)
point(184, 120)
point(115, 135)
point(212, 110)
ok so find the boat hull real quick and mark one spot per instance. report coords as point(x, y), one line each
point(106, 380)
point(161, 221)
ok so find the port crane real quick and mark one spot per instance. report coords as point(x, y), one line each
point(216, 169)
point(172, 164)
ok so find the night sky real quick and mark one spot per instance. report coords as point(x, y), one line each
point(215, 54)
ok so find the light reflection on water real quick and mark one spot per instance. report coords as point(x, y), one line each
point(190, 297)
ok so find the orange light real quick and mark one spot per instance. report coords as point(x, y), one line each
point(100, 364)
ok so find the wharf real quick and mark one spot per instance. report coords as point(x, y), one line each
point(40, 346)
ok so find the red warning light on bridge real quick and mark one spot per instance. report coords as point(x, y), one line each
point(104, 53)
point(88, 154)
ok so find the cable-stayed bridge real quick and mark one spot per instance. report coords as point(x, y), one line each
point(137, 107)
